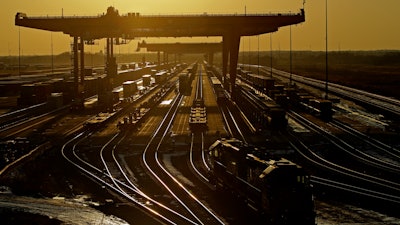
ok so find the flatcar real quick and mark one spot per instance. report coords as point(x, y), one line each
point(98, 120)
point(278, 189)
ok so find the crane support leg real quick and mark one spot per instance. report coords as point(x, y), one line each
point(233, 59)
point(82, 49)
point(76, 66)
point(225, 56)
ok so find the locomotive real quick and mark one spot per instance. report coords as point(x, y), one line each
point(278, 189)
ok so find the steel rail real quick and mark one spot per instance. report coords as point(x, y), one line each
point(99, 179)
point(355, 189)
point(349, 149)
point(162, 132)
point(155, 133)
point(394, 152)
point(202, 153)
point(192, 163)
point(341, 169)
point(116, 184)
point(389, 104)
point(135, 188)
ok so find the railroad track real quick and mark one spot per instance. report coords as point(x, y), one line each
point(11, 118)
point(234, 127)
point(161, 176)
point(125, 189)
point(121, 180)
point(197, 158)
point(388, 157)
point(350, 148)
point(198, 165)
point(112, 175)
point(385, 103)
point(151, 158)
point(362, 180)
point(375, 144)
point(348, 179)
point(338, 185)
point(27, 121)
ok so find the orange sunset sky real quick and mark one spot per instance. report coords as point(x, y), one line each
point(352, 24)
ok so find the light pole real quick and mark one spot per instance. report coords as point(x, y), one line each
point(52, 53)
point(258, 55)
point(270, 55)
point(290, 54)
point(19, 51)
point(326, 49)
point(249, 54)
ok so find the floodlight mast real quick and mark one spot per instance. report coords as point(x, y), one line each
point(326, 49)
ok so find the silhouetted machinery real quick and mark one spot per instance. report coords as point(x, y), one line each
point(278, 189)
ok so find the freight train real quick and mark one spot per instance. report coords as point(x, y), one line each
point(278, 189)
point(39, 92)
point(267, 114)
point(287, 96)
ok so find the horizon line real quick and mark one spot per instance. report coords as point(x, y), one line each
point(132, 53)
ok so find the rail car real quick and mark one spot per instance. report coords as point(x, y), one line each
point(146, 80)
point(160, 77)
point(269, 114)
point(218, 89)
point(133, 119)
point(321, 108)
point(185, 79)
point(117, 95)
point(94, 83)
point(129, 88)
point(278, 189)
point(259, 82)
point(191, 69)
point(184, 84)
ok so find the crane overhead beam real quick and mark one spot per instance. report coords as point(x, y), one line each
point(134, 25)
point(180, 48)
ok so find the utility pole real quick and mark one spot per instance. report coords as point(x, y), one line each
point(249, 54)
point(258, 55)
point(52, 53)
point(326, 49)
point(270, 46)
point(19, 51)
point(290, 80)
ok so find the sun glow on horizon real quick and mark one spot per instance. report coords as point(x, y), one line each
point(360, 25)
